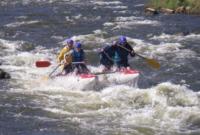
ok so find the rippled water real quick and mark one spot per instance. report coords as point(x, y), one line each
point(166, 101)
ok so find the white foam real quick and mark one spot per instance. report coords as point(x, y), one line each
point(104, 3)
point(128, 22)
point(8, 45)
point(165, 108)
point(121, 12)
point(96, 38)
point(166, 105)
point(177, 37)
point(18, 24)
point(159, 51)
point(116, 7)
point(139, 5)
point(176, 95)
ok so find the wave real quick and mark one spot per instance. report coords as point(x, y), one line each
point(18, 24)
point(176, 37)
point(128, 22)
point(165, 108)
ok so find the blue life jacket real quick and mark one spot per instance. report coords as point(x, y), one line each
point(78, 56)
point(123, 54)
point(116, 57)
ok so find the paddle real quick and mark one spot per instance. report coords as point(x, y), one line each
point(152, 62)
point(45, 63)
point(108, 56)
point(54, 70)
point(101, 73)
point(42, 63)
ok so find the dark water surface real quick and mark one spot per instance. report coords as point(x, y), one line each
point(174, 40)
point(46, 23)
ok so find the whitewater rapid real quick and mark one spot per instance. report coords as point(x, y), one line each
point(164, 108)
point(166, 101)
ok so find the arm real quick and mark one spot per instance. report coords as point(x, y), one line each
point(128, 48)
point(83, 55)
point(68, 57)
point(61, 55)
point(131, 52)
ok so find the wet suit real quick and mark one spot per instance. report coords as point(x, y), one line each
point(116, 54)
point(106, 56)
point(123, 54)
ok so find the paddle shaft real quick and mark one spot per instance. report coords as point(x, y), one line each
point(41, 64)
point(111, 58)
point(54, 70)
point(101, 73)
point(130, 52)
point(151, 62)
point(78, 62)
point(82, 62)
point(140, 56)
point(108, 56)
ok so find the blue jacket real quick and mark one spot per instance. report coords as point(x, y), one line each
point(123, 54)
point(78, 56)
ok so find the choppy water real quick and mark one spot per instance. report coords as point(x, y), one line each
point(166, 101)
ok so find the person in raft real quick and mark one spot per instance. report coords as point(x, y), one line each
point(78, 57)
point(123, 50)
point(106, 57)
point(117, 53)
point(65, 57)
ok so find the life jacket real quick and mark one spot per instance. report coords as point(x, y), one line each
point(78, 56)
point(62, 55)
point(116, 57)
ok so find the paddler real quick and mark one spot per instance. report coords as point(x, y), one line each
point(116, 53)
point(106, 57)
point(78, 58)
point(65, 57)
point(123, 50)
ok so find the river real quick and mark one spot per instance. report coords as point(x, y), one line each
point(166, 101)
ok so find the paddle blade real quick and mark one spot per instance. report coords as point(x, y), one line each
point(43, 63)
point(45, 78)
point(153, 63)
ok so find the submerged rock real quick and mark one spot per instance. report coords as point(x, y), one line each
point(184, 33)
point(167, 11)
point(4, 75)
point(25, 46)
point(151, 11)
point(181, 9)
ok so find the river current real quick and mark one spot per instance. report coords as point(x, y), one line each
point(166, 101)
